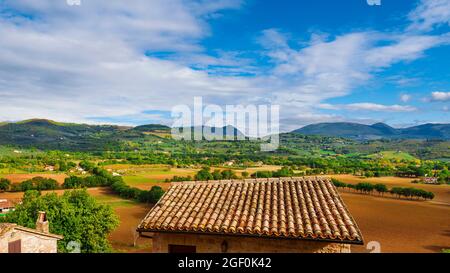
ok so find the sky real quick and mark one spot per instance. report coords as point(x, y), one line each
point(130, 62)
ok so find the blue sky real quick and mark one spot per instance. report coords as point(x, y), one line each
point(321, 61)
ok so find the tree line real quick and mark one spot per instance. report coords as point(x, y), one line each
point(205, 174)
point(381, 189)
point(36, 183)
point(102, 178)
point(99, 178)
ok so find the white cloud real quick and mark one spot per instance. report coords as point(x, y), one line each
point(440, 96)
point(430, 13)
point(74, 63)
point(367, 106)
point(405, 97)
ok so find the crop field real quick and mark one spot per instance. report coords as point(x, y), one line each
point(398, 225)
point(146, 176)
point(19, 177)
point(442, 192)
point(393, 155)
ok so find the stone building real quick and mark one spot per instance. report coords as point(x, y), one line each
point(18, 239)
point(284, 215)
point(6, 206)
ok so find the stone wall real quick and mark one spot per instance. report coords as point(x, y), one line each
point(30, 243)
point(240, 244)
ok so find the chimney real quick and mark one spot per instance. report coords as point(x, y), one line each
point(42, 223)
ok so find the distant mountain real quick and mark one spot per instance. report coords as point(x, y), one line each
point(48, 134)
point(152, 128)
point(226, 130)
point(376, 131)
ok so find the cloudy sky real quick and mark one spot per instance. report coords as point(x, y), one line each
point(129, 62)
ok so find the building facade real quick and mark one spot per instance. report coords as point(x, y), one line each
point(18, 239)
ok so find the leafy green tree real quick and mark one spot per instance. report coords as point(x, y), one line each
point(63, 166)
point(381, 188)
point(26, 186)
point(5, 184)
point(364, 187)
point(216, 175)
point(228, 174)
point(204, 175)
point(283, 172)
point(338, 184)
point(155, 193)
point(245, 174)
point(262, 174)
point(76, 215)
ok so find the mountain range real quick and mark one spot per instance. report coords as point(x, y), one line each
point(377, 131)
point(47, 134)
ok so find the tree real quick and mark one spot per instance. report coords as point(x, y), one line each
point(338, 184)
point(381, 188)
point(204, 175)
point(228, 174)
point(5, 184)
point(217, 175)
point(364, 187)
point(245, 174)
point(155, 193)
point(76, 215)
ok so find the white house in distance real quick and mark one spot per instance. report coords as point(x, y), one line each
point(6, 206)
point(18, 239)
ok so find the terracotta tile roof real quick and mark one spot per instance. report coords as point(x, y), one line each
point(6, 204)
point(294, 208)
point(6, 227)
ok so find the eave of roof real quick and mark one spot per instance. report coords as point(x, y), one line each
point(262, 236)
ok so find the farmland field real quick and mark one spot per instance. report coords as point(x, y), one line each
point(19, 177)
point(394, 155)
point(146, 176)
point(398, 225)
point(442, 192)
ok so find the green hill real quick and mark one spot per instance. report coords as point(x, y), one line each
point(376, 131)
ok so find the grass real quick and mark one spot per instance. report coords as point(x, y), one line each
point(11, 171)
point(135, 180)
point(394, 155)
point(114, 201)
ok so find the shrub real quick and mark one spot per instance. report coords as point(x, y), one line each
point(5, 184)
point(338, 184)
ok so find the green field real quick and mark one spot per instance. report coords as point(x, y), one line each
point(393, 155)
point(114, 201)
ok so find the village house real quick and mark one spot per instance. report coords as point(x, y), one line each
point(431, 180)
point(6, 206)
point(284, 215)
point(18, 239)
point(49, 168)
